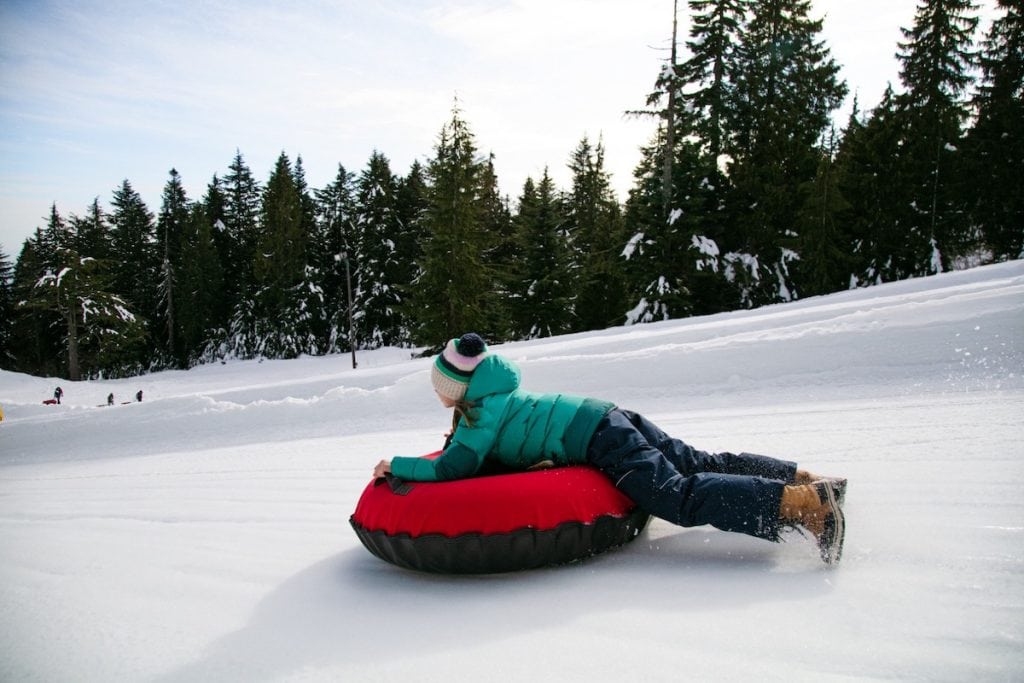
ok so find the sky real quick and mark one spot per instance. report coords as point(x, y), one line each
point(93, 92)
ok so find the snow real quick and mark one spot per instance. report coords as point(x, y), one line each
point(202, 535)
point(631, 246)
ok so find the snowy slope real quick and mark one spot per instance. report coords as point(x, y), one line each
point(203, 534)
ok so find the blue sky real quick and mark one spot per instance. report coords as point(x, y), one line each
point(93, 92)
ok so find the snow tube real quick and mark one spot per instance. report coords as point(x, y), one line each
point(495, 523)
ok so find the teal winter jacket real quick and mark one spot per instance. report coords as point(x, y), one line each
point(517, 428)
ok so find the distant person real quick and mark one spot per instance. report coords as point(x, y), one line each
point(110, 399)
point(138, 396)
point(57, 394)
point(496, 420)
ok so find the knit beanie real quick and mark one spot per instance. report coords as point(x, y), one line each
point(454, 366)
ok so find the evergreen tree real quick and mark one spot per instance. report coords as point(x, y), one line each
point(92, 232)
point(58, 257)
point(711, 76)
point(95, 327)
point(214, 206)
point(6, 311)
point(200, 285)
point(36, 335)
point(281, 252)
point(453, 292)
point(334, 241)
point(502, 250)
point(172, 223)
point(287, 308)
point(134, 258)
point(411, 205)
point(708, 80)
point(308, 204)
point(215, 203)
point(541, 299)
point(786, 90)
point(109, 336)
point(242, 207)
point(677, 215)
point(869, 177)
point(936, 62)
point(595, 230)
point(996, 143)
point(377, 298)
point(824, 260)
point(672, 262)
point(644, 217)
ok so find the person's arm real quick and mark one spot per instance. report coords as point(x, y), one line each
point(457, 462)
point(462, 458)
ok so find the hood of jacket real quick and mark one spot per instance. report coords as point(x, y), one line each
point(494, 375)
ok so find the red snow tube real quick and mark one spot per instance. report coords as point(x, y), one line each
point(496, 523)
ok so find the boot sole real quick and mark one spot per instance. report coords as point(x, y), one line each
point(838, 485)
point(839, 489)
point(830, 543)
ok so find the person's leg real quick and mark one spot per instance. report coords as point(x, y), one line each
point(689, 460)
point(731, 502)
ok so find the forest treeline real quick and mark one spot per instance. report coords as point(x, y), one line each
point(747, 195)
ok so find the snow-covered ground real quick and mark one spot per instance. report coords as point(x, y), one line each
point(202, 535)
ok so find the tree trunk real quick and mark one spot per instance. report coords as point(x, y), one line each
point(74, 373)
point(670, 123)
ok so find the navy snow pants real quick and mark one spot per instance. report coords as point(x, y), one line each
point(677, 483)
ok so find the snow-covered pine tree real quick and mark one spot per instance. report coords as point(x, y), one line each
point(93, 327)
point(133, 251)
point(709, 77)
point(676, 253)
point(376, 296)
point(411, 204)
point(316, 273)
point(287, 306)
point(335, 216)
point(787, 88)
point(671, 265)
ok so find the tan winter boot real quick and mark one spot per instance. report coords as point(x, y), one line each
point(815, 508)
point(838, 483)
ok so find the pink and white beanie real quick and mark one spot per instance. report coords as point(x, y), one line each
point(454, 366)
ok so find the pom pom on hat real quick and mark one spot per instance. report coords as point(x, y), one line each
point(454, 366)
